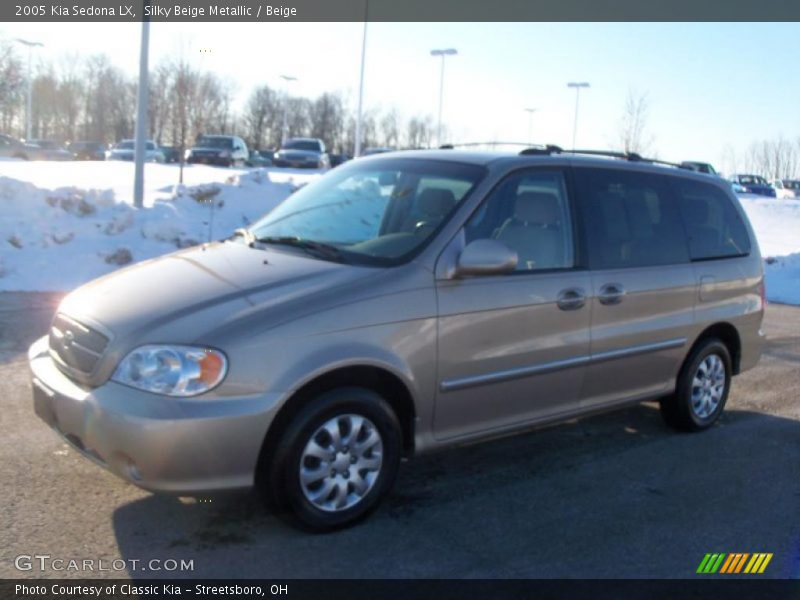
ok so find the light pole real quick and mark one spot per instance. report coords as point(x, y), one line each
point(28, 108)
point(140, 143)
point(359, 115)
point(443, 52)
point(530, 112)
point(577, 85)
point(285, 133)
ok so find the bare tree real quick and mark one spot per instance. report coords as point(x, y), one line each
point(419, 133)
point(773, 159)
point(327, 119)
point(12, 87)
point(390, 129)
point(632, 132)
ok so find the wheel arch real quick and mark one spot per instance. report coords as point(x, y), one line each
point(729, 335)
point(378, 379)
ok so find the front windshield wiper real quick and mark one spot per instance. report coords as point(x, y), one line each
point(321, 249)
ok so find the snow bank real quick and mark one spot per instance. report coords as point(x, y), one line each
point(58, 239)
point(783, 279)
point(777, 226)
point(62, 224)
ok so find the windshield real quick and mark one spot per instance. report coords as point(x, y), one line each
point(215, 142)
point(752, 180)
point(792, 184)
point(311, 145)
point(374, 212)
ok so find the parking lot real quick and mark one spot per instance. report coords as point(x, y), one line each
point(617, 495)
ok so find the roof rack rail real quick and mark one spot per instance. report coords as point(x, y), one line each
point(629, 156)
point(541, 150)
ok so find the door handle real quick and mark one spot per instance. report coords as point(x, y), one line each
point(571, 299)
point(611, 293)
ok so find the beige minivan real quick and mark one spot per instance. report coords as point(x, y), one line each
point(404, 303)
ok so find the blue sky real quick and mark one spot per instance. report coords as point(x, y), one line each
point(710, 85)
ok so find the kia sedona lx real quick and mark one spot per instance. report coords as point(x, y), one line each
point(404, 303)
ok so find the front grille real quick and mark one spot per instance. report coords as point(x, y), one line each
point(76, 345)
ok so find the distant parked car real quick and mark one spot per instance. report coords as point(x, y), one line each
point(787, 188)
point(125, 151)
point(260, 158)
point(381, 150)
point(308, 153)
point(753, 184)
point(700, 167)
point(172, 154)
point(87, 150)
point(50, 150)
point(221, 150)
point(338, 159)
point(13, 148)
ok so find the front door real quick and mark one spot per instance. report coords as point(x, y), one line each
point(513, 347)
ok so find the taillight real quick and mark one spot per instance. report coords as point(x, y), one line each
point(762, 291)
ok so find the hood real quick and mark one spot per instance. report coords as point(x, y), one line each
point(178, 297)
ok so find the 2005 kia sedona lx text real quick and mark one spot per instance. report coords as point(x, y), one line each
point(405, 303)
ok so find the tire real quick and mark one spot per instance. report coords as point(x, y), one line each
point(326, 500)
point(702, 388)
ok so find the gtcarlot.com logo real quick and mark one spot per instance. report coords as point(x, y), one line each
point(743, 562)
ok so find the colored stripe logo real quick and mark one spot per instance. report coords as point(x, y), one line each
point(737, 562)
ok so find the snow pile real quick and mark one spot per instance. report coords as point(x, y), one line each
point(58, 239)
point(777, 226)
point(783, 279)
point(63, 224)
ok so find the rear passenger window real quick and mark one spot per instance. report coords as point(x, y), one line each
point(713, 224)
point(629, 219)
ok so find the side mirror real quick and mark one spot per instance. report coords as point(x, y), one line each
point(486, 257)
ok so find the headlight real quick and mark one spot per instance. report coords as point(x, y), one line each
point(172, 370)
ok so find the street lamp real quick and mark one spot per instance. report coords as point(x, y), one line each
point(140, 134)
point(443, 52)
point(28, 120)
point(577, 85)
point(285, 133)
point(530, 112)
point(359, 116)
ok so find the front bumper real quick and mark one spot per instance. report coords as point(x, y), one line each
point(176, 445)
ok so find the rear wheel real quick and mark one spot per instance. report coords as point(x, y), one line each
point(335, 461)
point(702, 388)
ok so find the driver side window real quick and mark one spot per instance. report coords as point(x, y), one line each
point(529, 213)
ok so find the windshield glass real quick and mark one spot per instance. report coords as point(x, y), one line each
point(792, 184)
point(374, 212)
point(215, 142)
point(311, 145)
point(752, 180)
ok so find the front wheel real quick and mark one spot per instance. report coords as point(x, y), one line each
point(336, 460)
point(702, 388)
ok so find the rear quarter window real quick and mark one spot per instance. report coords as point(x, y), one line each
point(714, 227)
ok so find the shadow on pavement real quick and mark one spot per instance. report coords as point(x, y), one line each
point(618, 495)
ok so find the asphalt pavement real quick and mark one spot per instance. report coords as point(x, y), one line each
point(615, 495)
